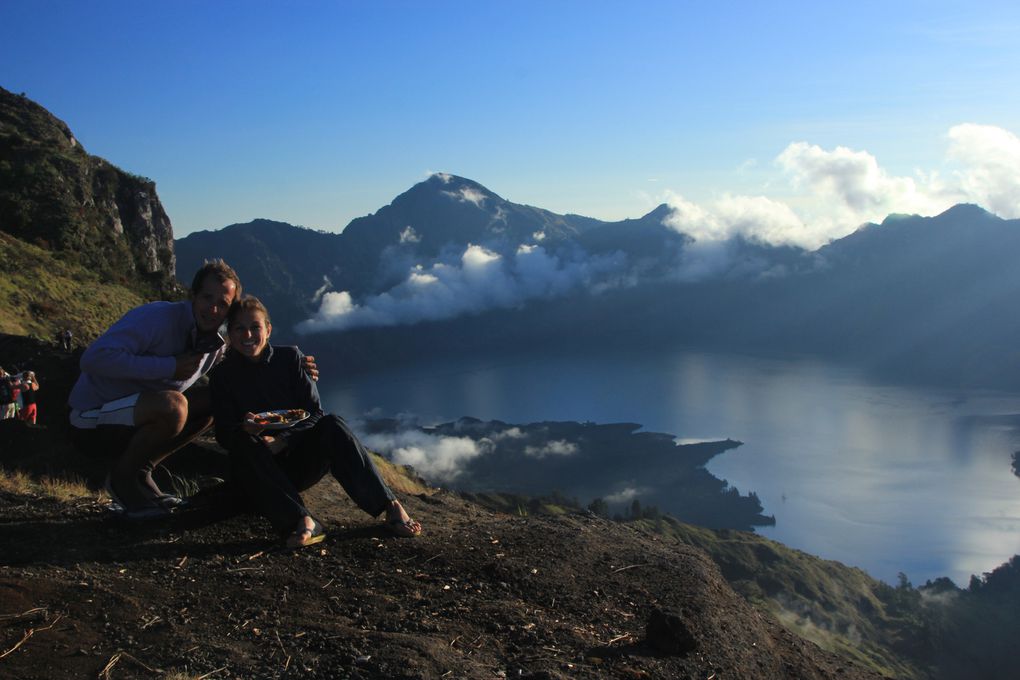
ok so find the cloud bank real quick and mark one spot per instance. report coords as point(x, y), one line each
point(478, 280)
point(832, 192)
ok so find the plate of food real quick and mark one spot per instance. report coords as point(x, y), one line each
point(280, 419)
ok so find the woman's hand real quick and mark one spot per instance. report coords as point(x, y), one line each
point(250, 427)
point(275, 444)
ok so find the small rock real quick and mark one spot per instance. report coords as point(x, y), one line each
point(667, 633)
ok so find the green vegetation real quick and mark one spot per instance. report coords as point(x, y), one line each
point(42, 293)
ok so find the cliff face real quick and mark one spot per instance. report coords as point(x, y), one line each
point(55, 195)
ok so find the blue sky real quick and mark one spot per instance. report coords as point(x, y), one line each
point(318, 112)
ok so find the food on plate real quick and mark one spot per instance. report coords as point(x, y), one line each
point(282, 417)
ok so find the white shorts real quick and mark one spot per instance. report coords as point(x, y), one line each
point(118, 412)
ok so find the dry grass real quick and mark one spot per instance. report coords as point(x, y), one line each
point(57, 488)
point(400, 478)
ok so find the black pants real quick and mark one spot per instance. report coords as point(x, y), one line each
point(272, 483)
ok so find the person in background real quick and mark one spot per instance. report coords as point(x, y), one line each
point(65, 339)
point(136, 399)
point(16, 401)
point(272, 468)
point(30, 385)
point(6, 394)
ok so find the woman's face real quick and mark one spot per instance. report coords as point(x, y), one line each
point(249, 334)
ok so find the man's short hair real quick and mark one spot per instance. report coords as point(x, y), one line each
point(221, 270)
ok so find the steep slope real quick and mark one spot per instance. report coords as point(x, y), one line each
point(55, 195)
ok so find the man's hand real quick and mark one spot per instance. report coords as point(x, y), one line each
point(187, 364)
point(310, 368)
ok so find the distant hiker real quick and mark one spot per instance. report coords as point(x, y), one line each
point(7, 406)
point(30, 385)
point(14, 409)
point(271, 468)
point(135, 400)
point(65, 340)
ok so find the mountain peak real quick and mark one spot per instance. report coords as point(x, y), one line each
point(459, 188)
point(965, 211)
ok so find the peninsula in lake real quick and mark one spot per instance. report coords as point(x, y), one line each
point(607, 467)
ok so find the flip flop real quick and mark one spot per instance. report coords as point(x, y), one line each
point(404, 528)
point(315, 535)
point(159, 511)
point(172, 502)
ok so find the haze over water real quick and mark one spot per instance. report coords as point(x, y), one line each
point(887, 478)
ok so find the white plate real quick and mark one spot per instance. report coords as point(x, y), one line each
point(280, 425)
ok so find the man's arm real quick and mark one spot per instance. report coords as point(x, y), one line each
point(121, 352)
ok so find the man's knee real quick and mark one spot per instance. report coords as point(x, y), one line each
point(168, 409)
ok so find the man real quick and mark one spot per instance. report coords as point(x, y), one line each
point(133, 402)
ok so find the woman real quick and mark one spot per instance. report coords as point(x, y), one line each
point(29, 387)
point(272, 468)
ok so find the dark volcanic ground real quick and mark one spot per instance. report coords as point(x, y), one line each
point(479, 595)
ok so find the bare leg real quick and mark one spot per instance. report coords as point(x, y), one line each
point(164, 422)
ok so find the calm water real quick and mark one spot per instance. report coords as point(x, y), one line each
point(891, 479)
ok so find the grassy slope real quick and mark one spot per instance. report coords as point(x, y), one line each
point(41, 294)
point(839, 608)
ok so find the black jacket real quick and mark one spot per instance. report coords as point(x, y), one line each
point(276, 381)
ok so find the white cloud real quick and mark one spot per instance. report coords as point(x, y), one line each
point(509, 433)
point(467, 195)
point(556, 447)
point(482, 279)
point(852, 177)
point(326, 285)
point(990, 175)
point(754, 217)
point(626, 495)
point(835, 191)
point(409, 235)
point(436, 457)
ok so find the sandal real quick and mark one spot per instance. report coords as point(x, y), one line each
point(297, 538)
point(405, 528)
point(160, 509)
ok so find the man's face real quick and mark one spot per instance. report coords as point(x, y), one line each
point(211, 303)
